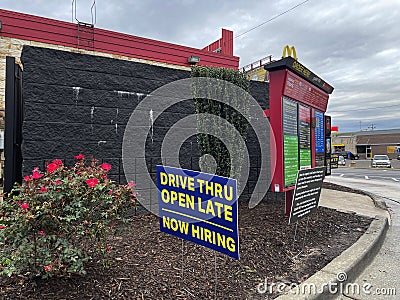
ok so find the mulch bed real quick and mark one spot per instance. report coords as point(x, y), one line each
point(147, 264)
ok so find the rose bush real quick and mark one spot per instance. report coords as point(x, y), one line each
point(53, 223)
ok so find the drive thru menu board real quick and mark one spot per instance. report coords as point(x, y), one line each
point(304, 137)
point(290, 141)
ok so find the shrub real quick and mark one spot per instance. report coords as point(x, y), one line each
point(51, 224)
point(209, 144)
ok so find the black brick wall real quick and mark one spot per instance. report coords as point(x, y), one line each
point(72, 103)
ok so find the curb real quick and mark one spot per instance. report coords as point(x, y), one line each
point(349, 264)
point(378, 202)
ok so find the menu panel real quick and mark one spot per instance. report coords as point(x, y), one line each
point(290, 141)
point(319, 132)
point(304, 137)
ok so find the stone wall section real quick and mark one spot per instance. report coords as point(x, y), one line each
point(13, 47)
point(75, 103)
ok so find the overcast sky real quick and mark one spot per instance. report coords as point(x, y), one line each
point(353, 45)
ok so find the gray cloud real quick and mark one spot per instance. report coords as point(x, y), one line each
point(351, 44)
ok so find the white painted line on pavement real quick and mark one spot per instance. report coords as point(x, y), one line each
point(341, 175)
point(395, 179)
point(366, 177)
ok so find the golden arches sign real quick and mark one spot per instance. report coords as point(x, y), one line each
point(289, 51)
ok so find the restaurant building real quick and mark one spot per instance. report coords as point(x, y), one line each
point(368, 143)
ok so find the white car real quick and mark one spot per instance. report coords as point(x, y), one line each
point(381, 161)
point(342, 161)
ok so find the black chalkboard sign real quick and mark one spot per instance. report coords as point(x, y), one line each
point(306, 193)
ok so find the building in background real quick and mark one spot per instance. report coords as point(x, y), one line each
point(368, 143)
point(256, 71)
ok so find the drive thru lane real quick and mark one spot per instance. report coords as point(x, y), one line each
point(382, 182)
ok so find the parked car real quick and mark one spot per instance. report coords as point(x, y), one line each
point(347, 154)
point(381, 161)
point(351, 155)
point(398, 156)
point(341, 161)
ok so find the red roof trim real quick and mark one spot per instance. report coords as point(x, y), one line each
point(39, 29)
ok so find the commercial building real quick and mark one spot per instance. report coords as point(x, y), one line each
point(18, 30)
point(368, 143)
point(80, 85)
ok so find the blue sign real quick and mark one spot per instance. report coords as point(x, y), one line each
point(199, 207)
point(319, 132)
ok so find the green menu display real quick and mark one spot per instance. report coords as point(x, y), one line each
point(304, 137)
point(291, 158)
point(305, 159)
point(290, 141)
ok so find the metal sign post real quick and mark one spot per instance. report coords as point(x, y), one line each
point(305, 235)
point(215, 274)
point(294, 237)
point(182, 262)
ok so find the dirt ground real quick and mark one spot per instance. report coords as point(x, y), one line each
point(148, 264)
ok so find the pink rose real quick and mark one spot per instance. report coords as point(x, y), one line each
point(92, 182)
point(2, 226)
point(131, 184)
point(48, 268)
point(36, 175)
point(106, 167)
point(80, 156)
point(57, 162)
point(52, 167)
point(25, 206)
point(41, 232)
point(43, 189)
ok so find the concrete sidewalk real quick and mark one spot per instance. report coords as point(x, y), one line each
point(343, 273)
point(381, 278)
point(350, 203)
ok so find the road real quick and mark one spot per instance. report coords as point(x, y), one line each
point(382, 182)
point(382, 275)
